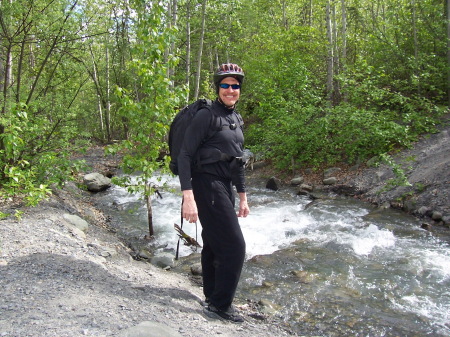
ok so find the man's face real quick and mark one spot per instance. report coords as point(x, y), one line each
point(229, 96)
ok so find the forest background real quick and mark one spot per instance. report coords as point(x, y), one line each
point(327, 81)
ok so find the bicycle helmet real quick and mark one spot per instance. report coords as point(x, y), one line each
point(228, 70)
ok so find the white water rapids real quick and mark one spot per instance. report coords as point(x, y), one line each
point(375, 272)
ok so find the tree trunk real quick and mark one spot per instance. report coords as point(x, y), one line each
point(416, 43)
point(217, 58)
point(169, 24)
point(188, 45)
point(172, 46)
point(200, 52)
point(6, 74)
point(310, 12)
point(448, 51)
point(330, 59)
point(5, 77)
point(344, 41)
point(99, 96)
point(108, 100)
point(20, 67)
point(336, 56)
point(148, 202)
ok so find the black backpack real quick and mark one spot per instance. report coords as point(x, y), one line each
point(181, 122)
point(178, 128)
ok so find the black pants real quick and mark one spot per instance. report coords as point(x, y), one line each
point(223, 251)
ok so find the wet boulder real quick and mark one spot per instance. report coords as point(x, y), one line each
point(268, 307)
point(297, 181)
point(330, 181)
point(96, 182)
point(273, 184)
point(163, 260)
point(328, 173)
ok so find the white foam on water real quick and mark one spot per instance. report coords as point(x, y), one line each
point(424, 306)
point(267, 230)
point(277, 220)
point(438, 261)
point(367, 239)
point(121, 196)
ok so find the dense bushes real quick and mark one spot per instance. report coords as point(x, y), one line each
point(372, 119)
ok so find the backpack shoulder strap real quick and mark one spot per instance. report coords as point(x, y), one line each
point(237, 119)
point(240, 119)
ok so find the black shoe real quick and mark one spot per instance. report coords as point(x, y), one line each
point(205, 303)
point(227, 315)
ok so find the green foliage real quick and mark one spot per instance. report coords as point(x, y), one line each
point(31, 159)
point(149, 109)
point(289, 122)
point(400, 176)
point(17, 214)
point(37, 130)
point(389, 85)
point(312, 136)
point(94, 70)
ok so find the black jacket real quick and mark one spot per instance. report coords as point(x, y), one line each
point(202, 144)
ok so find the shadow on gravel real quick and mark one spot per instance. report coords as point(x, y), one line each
point(50, 281)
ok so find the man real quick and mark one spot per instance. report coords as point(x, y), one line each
point(209, 166)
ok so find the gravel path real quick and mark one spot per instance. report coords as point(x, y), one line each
point(57, 280)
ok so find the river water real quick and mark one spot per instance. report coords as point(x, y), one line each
point(331, 267)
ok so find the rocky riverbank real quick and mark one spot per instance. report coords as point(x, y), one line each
point(425, 168)
point(416, 180)
point(63, 272)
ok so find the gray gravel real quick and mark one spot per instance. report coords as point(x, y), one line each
point(58, 280)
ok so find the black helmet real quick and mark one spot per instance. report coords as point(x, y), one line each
point(228, 70)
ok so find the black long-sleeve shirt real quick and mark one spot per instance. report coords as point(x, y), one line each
point(198, 144)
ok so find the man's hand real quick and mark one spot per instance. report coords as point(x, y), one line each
point(190, 212)
point(244, 210)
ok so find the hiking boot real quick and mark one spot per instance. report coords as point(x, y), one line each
point(205, 303)
point(226, 315)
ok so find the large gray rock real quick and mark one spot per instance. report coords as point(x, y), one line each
point(150, 329)
point(297, 181)
point(76, 222)
point(328, 173)
point(330, 181)
point(163, 260)
point(96, 182)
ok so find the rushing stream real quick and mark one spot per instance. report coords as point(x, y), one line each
point(331, 267)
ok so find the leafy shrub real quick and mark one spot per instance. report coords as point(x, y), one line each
point(34, 154)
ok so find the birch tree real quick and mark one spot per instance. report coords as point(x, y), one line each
point(200, 52)
point(188, 46)
point(448, 49)
point(330, 57)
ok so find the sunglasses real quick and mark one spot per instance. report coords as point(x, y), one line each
point(233, 86)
